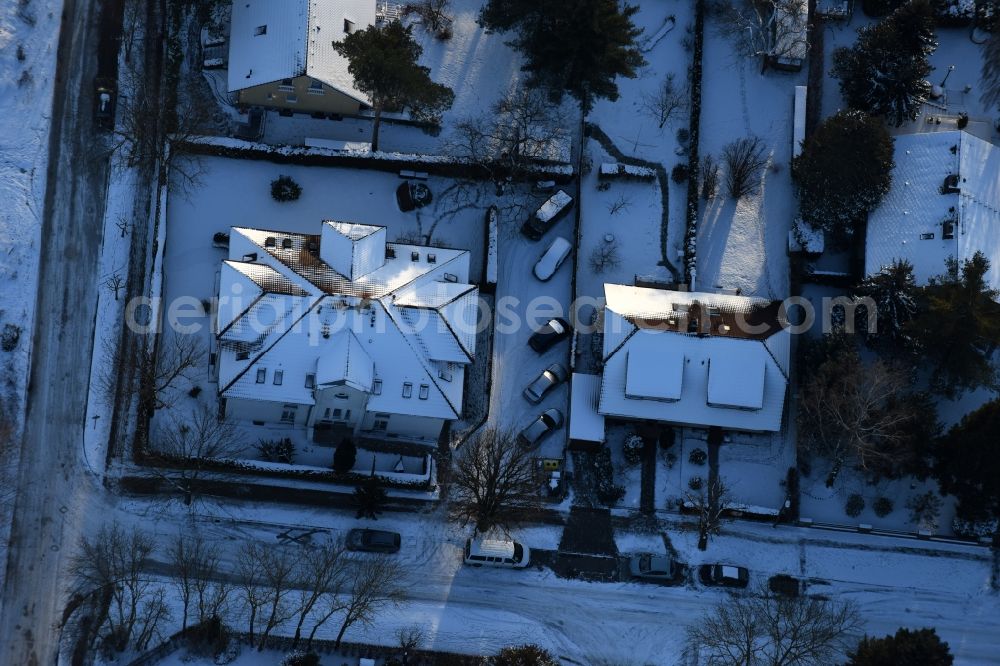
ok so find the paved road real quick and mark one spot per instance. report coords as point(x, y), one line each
point(53, 488)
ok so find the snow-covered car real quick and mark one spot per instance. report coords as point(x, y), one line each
point(548, 335)
point(554, 209)
point(552, 259)
point(548, 422)
point(724, 575)
point(648, 566)
point(496, 553)
point(373, 541)
point(551, 377)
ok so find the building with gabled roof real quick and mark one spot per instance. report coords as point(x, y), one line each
point(344, 332)
point(692, 359)
point(281, 54)
point(944, 203)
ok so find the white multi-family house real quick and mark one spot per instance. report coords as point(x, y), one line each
point(944, 203)
point(281, 54)
point(685, 358)
point(342, 332)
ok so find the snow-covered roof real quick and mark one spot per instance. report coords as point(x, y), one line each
point(270, 41)
point(322, 329)
point(654, 369)
point(910, 222)
point(586, 424)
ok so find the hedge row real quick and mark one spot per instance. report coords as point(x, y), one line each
point(694, 166)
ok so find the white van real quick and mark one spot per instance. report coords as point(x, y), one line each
point(496, 553)
point(553, 258)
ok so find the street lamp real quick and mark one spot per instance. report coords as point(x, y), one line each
point(951, 68)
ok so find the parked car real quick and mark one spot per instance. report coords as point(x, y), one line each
point(552, 259)
point(496, 553)
point(548, 335)
point(220, 239)
point(724, 575)
point(785, 585)
point(373, 541)
point(554, 209)
point(547, 422)
point(551, 377)
point(648, 566)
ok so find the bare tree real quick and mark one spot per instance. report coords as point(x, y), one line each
point(493, 483)
point(765, 29)
point(195, 564)
point(179, 357)
point(132, 16)
point(622, 203)
point(709, 177)
point(745, 161)
point(666, 101)
point(278, 567)
point(321, 573)
point(434, 16)
point(604, 256)
point(124, 226)
point(109, 569)
point(710, 504)
point(765, 629)
point(114, 283)
point(372, 586)
point(250, 584)
point(410, 637)
point(187, 446)
point(849, 411)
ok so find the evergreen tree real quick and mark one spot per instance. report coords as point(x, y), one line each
point(344, 457)
point(885, 72)
point(918, 647)
point(844, 171)
point(383, 62)
point(959, 327)
point(968, 463)
point(574, 46)
point(893, 290)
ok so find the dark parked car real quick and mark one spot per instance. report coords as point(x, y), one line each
point(373, 541)
point(544, 338)
point(724, 575)
point(554, 209)
point(548, 422)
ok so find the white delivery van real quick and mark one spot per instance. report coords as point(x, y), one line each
point(552, 259)
point(496, 553)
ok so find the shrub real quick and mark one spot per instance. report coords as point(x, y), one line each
point(276, 450)
point(695, 483)
point(679, 174)
point(882, 506)
point(524, 655)
point(683, 135)
point(963, 120)
point(344, 457)
point(208, 638)
point(283, 188)
point(924, 509)
point(10, 337)
point(698, 457)
point(855, 505)
point(632, 449)
point(300, 659)
point(607, 492)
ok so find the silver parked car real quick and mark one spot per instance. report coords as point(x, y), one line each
point(551, 377)
point(652, 567)
point(549, 421)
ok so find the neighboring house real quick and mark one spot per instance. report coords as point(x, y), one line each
point(944, 202)
point(341, 332)
point(691, 359)
point(790, 26)
point(281, 54)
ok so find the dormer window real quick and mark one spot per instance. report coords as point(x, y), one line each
point(348, 26)
point(315, 87)
point(269, 241)
point(424, 391)
point(432, 258)
point(390, 252)
point(407, 390)
point(242, 356)
point(260, 30)
point(286, 243)
point(414, 256)
point(261, 375)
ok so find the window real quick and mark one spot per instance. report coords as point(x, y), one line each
point(326, 413)
point(286, 84)
point(407, 390)
point(260, 30)
point(269, 241)
point(380, 425)
point(310, 381)
point(316, 87)
point(279, 376)
point(261, 375)
point(292, 99)
point(286, 243)
point(445, 375)
point(432, 258)
point(414, 256)
point(242, 356)
point(377, 387)
point(348, 26)
point(390, 252)
point(288, 413)
point(337, 413)
point(424, 391)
